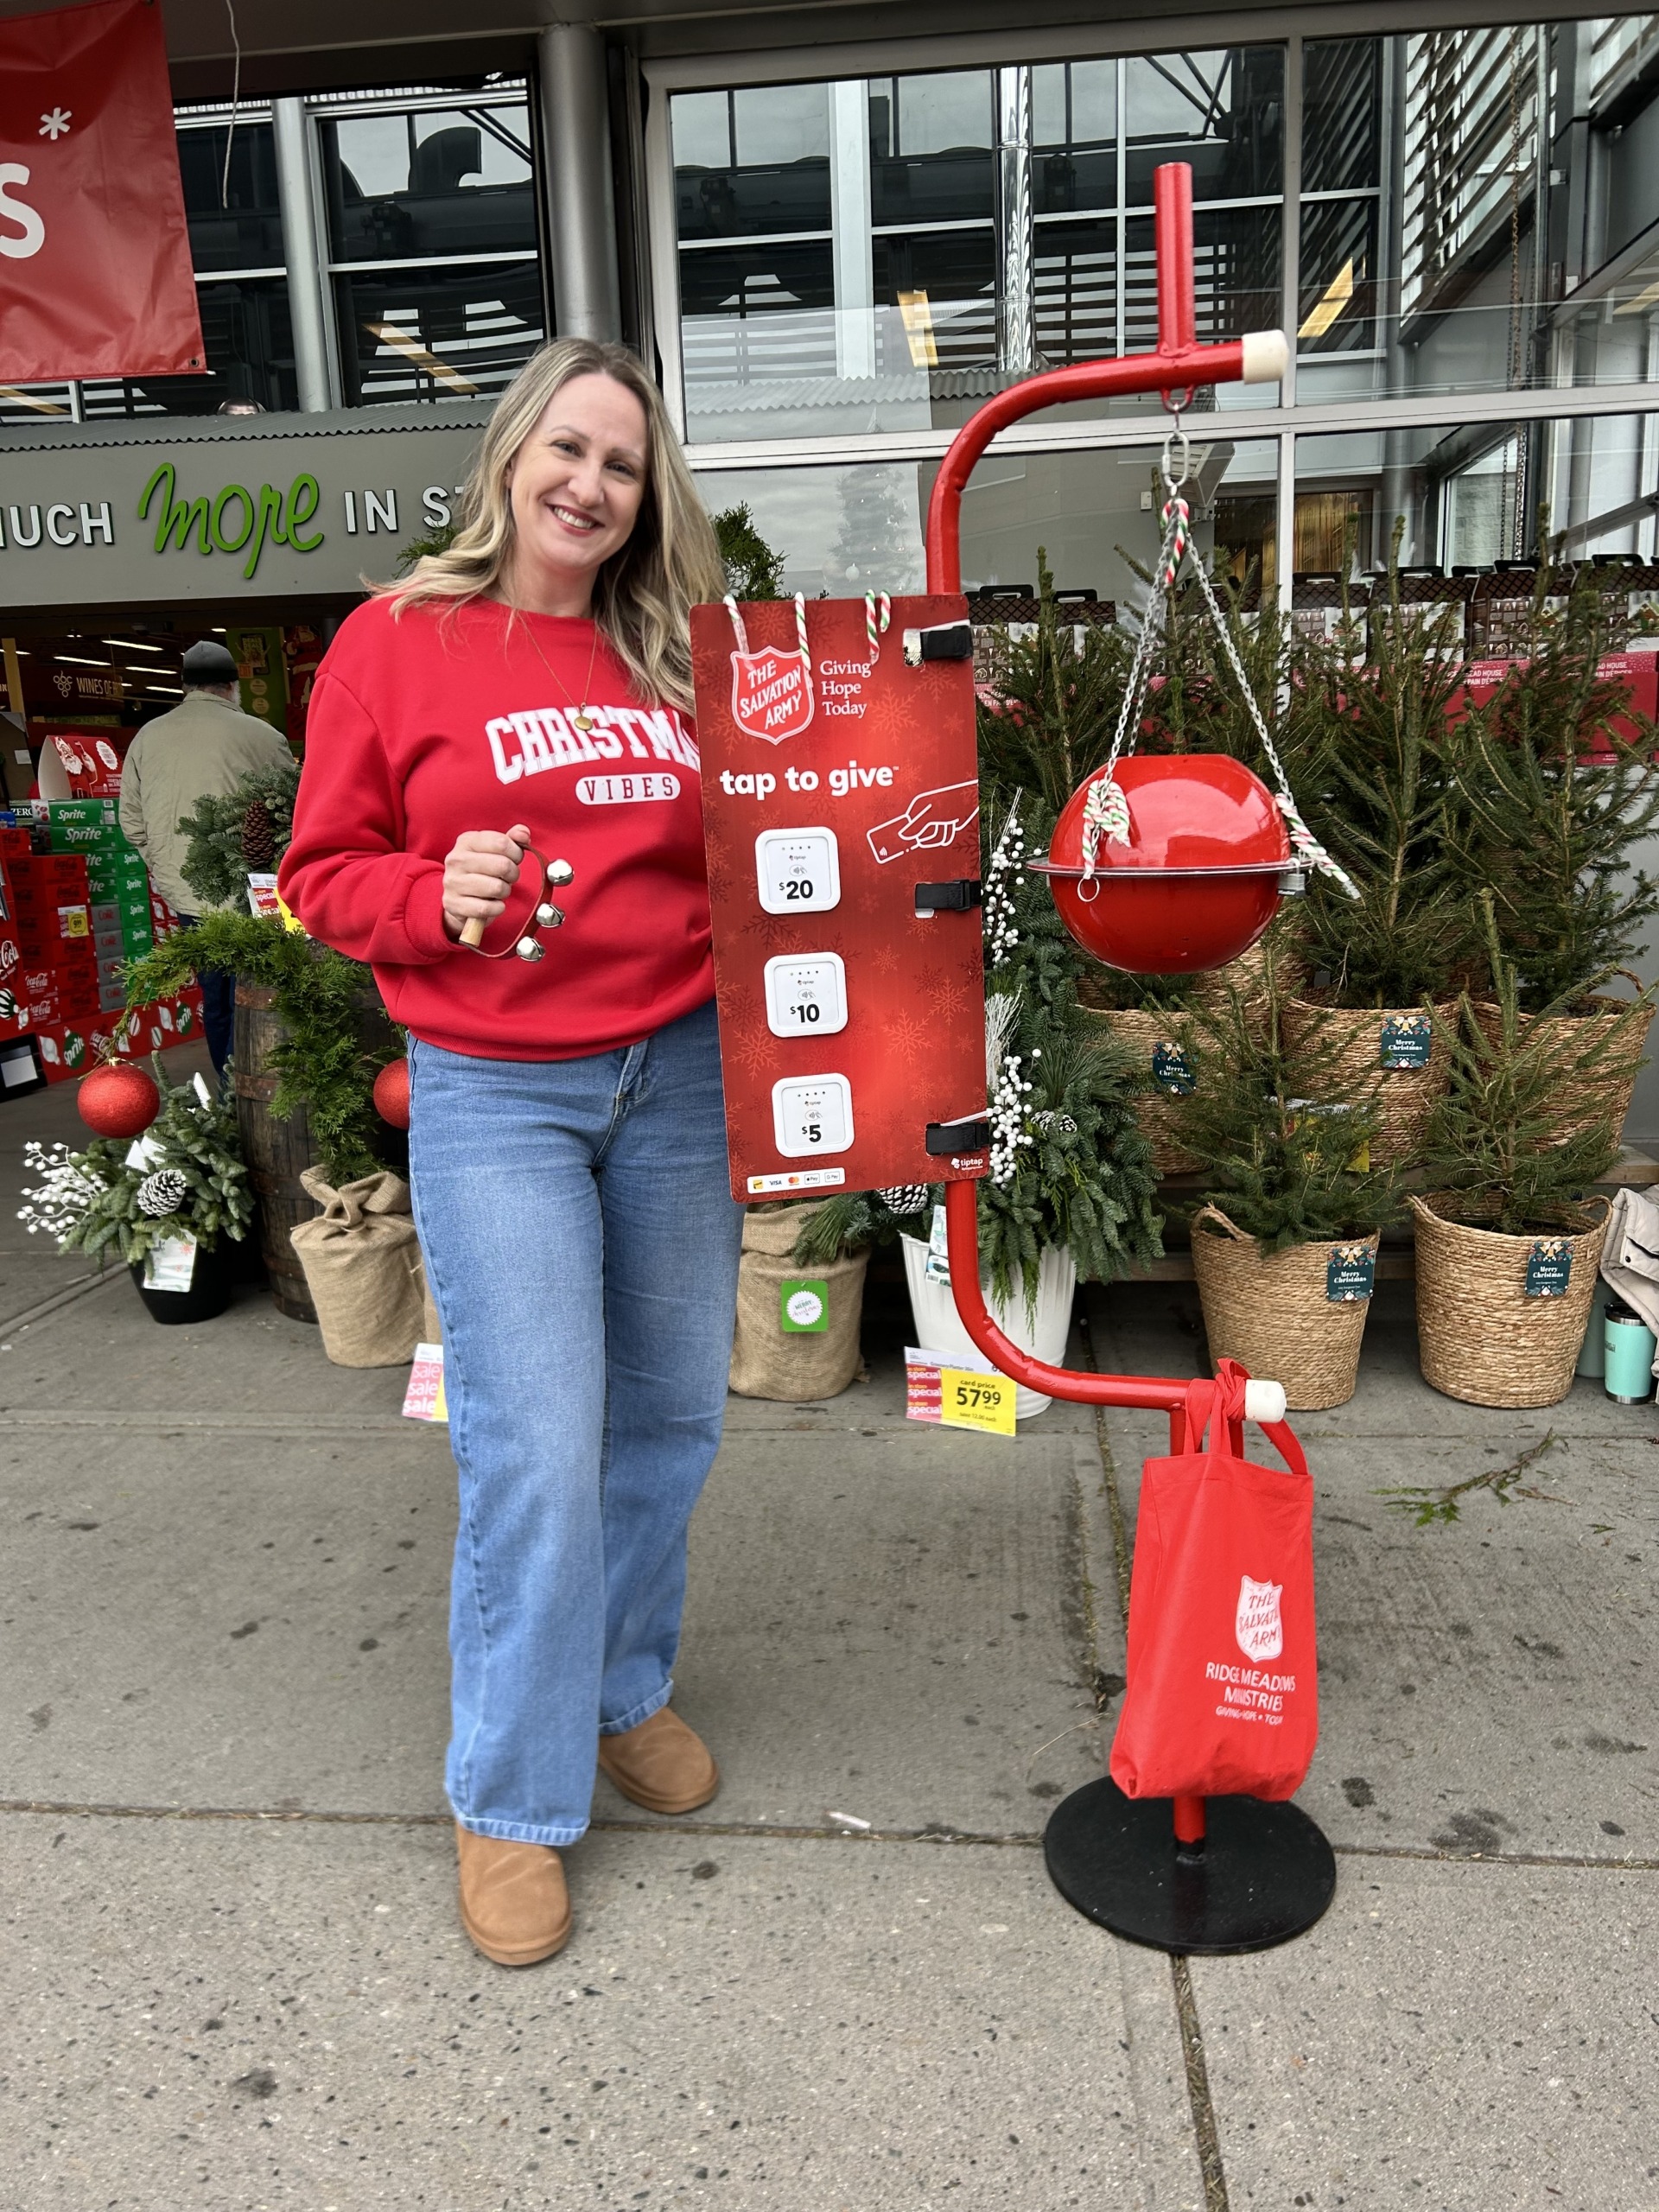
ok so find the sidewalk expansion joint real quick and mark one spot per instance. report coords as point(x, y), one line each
point(44, 1308)
point(1591, 1861)
point(1205, 2132)
point(1198, 2087)
point(159, 1424)
point(277, 1817)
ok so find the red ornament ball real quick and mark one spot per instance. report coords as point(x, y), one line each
point(1170, 902)
point(117, 1100)
point(391, 1094)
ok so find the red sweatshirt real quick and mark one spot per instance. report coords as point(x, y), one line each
point(421, 728)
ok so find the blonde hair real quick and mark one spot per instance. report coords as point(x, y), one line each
point(643, 595)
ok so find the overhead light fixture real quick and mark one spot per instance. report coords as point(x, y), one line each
point(80, 660)
point(133, 646)
point(399, 341)
point(1335, 297)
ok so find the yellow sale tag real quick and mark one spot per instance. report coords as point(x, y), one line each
point(981, 1402)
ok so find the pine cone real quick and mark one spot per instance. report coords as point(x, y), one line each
point(163, 1193)
point(258, 839)
point(904, 1198)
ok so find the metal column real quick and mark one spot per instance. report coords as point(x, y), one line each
point(579, 198)
point(852, 248)
point(302, 252)
point(1016, 286)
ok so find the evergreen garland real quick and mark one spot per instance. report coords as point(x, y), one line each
point(321, 999)
point(213, 865)
point(192, 1148)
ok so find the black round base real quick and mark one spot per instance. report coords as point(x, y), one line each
point(1264, 1873)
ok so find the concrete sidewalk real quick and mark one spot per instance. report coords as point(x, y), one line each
point(232, 1973)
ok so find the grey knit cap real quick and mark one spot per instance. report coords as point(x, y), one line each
point(208, 662)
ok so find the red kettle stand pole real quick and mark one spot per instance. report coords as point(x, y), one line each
point(1179, 366)
point(1237, 1874)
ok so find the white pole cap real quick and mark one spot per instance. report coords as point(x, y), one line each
point(1266, 356)
point(1263, 1400)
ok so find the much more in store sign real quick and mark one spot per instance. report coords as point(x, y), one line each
point(221, 516)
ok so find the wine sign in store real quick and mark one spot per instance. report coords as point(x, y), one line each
point(841, 805)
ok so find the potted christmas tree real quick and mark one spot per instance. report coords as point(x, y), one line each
point(1559, 785)
point(1379, 773)
point(1509, 1233)
point(1285, 1240)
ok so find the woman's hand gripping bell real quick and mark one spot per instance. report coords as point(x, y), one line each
point(478, 874)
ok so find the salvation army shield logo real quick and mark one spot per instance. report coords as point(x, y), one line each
point(772, 693)
point(1258, 1625)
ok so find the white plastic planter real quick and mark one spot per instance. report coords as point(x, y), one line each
point(939, 1327)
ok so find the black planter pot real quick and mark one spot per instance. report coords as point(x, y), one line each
point(210, 1287)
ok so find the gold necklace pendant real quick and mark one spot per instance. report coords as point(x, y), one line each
point(582, 720)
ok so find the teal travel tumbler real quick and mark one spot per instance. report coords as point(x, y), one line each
point(1629, 1356)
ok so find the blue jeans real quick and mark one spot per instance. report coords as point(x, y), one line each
point(582, 1243)
point(218, 1006)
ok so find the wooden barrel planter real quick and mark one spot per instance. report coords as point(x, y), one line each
point(277, 1152)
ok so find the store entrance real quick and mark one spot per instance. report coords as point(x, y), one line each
point(78, 684)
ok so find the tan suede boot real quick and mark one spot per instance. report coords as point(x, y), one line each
point(514, 1901)
point(661, 1765)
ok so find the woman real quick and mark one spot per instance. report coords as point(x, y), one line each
point(531, 688)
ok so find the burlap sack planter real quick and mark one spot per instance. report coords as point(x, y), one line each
point(1161, 1114)
point(1480, 1337)
point(1272, 1314)
point(769, 1360)
point(362, 1263)
point(1354, 1037)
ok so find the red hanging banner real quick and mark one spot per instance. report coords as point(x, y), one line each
point(95, 270)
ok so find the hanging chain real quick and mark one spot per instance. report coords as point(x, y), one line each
point(1105, 810)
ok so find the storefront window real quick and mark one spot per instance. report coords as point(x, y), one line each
point(441, 182)
point(424, 333)
point(1092, 515)
point(235, 218)
point(888, 252)
point(1470, 496)
point(433, 246)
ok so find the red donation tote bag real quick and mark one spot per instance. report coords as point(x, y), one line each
point(1223, 1697)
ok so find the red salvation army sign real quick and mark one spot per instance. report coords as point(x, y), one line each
point(95, 274)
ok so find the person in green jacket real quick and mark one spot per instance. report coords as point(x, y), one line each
point(203, 748)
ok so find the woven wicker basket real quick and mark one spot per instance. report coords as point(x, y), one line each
point(1480, 1337)
point(1600, 1091)
point(1247, 974)
point(1272, 1315)
point(1407, 1095)
point(1160, 1114)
